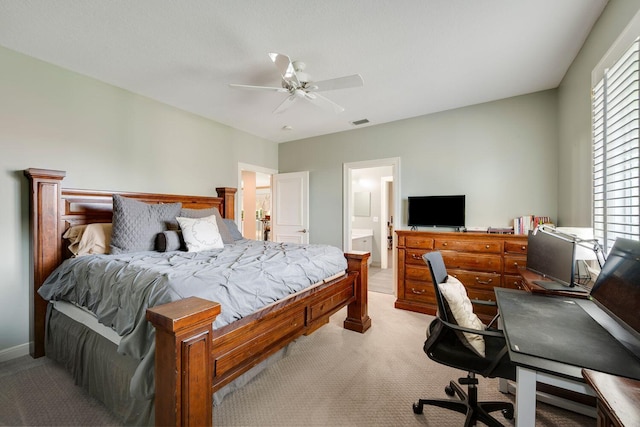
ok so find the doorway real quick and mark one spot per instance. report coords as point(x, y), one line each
point(254, 201)
point(372, 208)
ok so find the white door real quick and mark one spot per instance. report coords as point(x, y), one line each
point(290, 207)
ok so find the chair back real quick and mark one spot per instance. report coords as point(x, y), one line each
point(438, 275)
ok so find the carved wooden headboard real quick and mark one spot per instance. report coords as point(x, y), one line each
point(53, 209)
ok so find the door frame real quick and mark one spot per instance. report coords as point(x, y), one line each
point(250, 168)
point(348, 168)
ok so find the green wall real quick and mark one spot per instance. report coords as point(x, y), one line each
point(105, 138)
point(574, 108)
point(502, 155)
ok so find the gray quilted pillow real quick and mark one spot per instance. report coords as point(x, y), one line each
point(233, 229)
point(202, 213)
point(136, 224)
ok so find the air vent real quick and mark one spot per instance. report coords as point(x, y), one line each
point(360, 122)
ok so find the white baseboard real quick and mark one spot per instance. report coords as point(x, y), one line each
point(14, 352)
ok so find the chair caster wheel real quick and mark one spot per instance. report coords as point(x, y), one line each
point(449, 390)
point(508, 413)
point(417, 408)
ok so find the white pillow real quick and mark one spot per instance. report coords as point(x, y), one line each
point(200, 234)
point(462, 309)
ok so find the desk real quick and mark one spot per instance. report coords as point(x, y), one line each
point(551, 339)
point(618, 399)
point(528, 284)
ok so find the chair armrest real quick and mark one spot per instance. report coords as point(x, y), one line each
point(487, 304)
point(484, 302)
point(485, 333)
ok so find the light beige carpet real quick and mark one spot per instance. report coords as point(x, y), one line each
point(333, 377)
point(339, 378)
point(42, 393)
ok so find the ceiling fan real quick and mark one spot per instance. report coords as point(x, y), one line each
point(298, 85)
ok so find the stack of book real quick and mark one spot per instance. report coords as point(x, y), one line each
point(523, 224)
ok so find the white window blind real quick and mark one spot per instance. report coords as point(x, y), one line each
point(616, 160)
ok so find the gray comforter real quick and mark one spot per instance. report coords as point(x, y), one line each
point(243, 277)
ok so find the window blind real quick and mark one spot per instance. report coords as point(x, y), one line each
point(616, 147)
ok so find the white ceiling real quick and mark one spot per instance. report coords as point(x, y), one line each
point(416, 56)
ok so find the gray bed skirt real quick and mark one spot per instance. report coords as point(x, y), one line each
point(96, 366)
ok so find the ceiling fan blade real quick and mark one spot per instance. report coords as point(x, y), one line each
point(284, 65)
point(250, 87)
point(345, 82)
point(322, 102)
point(286, 104)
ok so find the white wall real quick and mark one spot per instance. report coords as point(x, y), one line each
point(105, 138)
point(502, 155)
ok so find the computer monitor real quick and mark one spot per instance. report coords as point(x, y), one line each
point(551, 256)
point(617, 288)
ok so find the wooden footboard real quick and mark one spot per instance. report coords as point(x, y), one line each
point(192, 359)
point(182, 373)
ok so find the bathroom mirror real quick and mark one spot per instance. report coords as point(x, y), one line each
point(362, 203)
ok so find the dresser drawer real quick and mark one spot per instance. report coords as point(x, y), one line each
point(420, 291)
point(474, 262)
point(512, 262)
point(414, 256)
point(485, 246)
point(477, 280)
point(512, 281)
point(515, 247)
point(417, 273)
point(482, 295)
point(418, 242)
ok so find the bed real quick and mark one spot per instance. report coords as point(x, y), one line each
point(192, 359)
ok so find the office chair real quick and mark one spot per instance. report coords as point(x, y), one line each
point(445, 344)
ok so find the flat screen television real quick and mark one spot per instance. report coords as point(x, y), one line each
point(551, 256)
point(436, 211)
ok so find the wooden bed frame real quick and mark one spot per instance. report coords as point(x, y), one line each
point(192, 360)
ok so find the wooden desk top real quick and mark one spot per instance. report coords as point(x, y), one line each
point(528, 277)
point(620, 396)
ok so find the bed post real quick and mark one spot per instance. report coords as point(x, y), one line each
point(358, 312)
point(45, 229)
point(183, 363)
point(229, 196)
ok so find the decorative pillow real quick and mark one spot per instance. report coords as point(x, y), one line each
point(89, 239)
point(233, 229)
point(200, 234)
point(136, 224)
point(455, 294)
point(170, 240)
point(201, 213)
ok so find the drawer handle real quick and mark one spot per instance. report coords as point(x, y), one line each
point(515, 264)
point(487, 246)
point(444, 244)
point(523, 248)
point(414, 256)
point(418, 292)
point(484, 282)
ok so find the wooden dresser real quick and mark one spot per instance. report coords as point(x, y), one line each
point(481, 261)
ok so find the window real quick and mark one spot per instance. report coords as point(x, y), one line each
point(616, 161)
